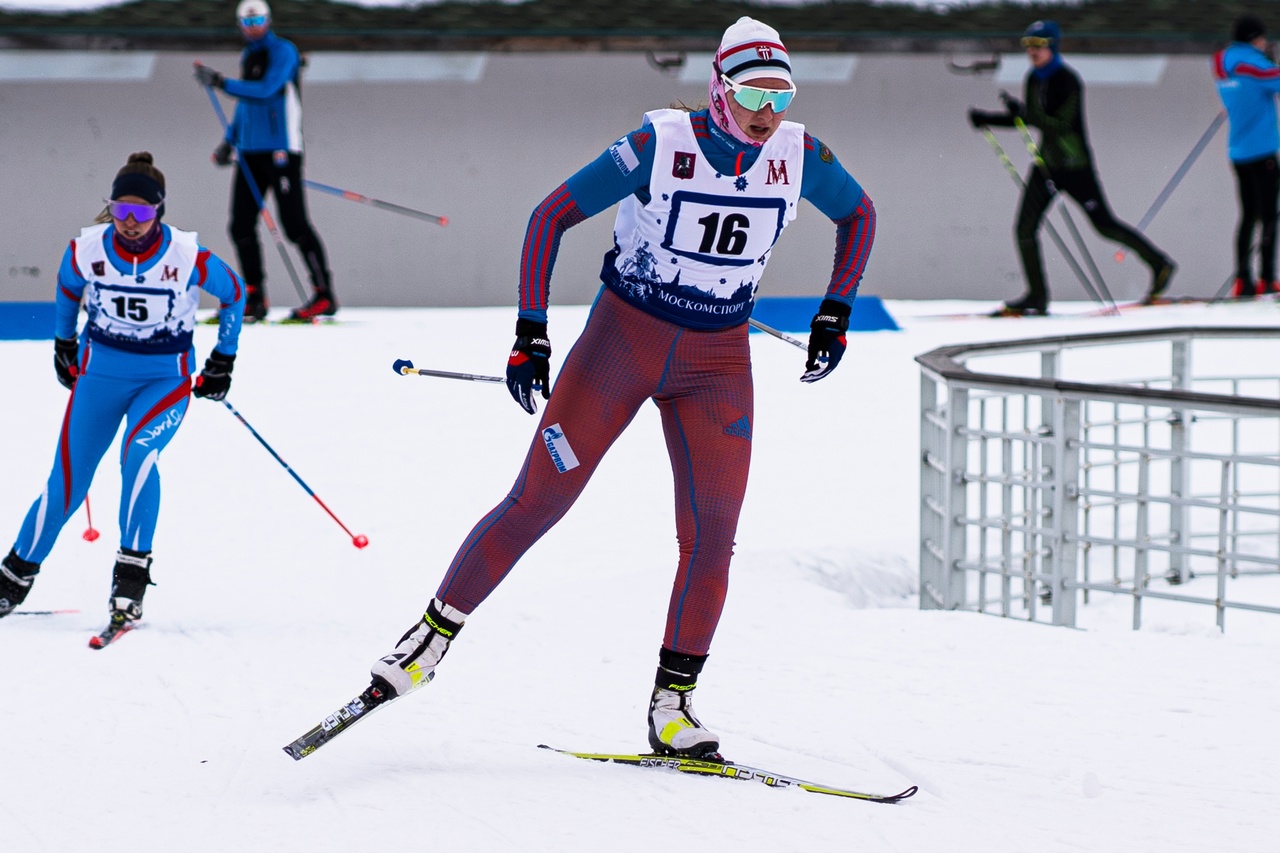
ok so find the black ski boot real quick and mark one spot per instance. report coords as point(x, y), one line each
point(16, 577)
point(1027, 306)
point(255, 303)
point(129, 584)
point(1161, 273)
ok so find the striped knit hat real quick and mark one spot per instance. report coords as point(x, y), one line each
point(750, 50)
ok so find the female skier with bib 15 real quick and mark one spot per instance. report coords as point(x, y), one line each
point(704, 195)
point(141, 281)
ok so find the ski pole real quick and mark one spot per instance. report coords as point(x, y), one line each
point(782, 336)
point(1053, 233)
point(404, 367)
point(1222, 291)
point(1034, 150)
point(89, 534)
point(257, 197)
point(359, 541)
point(1177, 177)
point(385, 205)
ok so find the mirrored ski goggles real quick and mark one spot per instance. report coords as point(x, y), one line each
point(122, 210)
point(754, 98)
point(255, 21)
point(1036, 41)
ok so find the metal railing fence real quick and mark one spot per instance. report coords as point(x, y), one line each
point(1038, 493)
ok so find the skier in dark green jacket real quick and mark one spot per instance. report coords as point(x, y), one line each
point(1054, 103)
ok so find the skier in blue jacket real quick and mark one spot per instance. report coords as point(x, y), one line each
point(140, 281)
point(1248, 82)
point(266, 133)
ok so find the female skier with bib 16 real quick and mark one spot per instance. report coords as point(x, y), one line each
point(704, 197)
point(141, 281)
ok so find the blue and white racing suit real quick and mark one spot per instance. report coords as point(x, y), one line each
point(136, 362)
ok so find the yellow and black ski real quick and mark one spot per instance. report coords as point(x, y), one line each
point(715, 765)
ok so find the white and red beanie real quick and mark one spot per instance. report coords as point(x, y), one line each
point(253, 9)
point(749, 50)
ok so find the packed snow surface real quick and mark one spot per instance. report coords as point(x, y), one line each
point(265, 619)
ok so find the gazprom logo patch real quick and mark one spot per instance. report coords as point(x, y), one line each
point(623, 156)
point(558, 447)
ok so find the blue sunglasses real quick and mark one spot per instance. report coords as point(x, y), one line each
point(255, 21)
point(122, 210)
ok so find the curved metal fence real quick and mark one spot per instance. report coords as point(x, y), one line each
point(1142, 464)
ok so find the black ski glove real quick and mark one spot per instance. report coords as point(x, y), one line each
point(529, 367)
point(215, 380)
point(222, 154)
point(66, 357)
point(206, 76)
point(826, 339)
point(979, 119)
point(1016, 108)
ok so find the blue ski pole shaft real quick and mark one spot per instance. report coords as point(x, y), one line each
point(374, 202)
point(257, 197)
point(359, 541)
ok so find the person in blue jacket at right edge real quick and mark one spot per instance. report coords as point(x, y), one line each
point(1248, 82)
point(704, 196)
point(266, 133)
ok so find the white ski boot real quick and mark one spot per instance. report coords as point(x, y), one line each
point(673, 727)
point(413, 662)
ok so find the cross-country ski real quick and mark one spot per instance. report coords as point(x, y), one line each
point(719, 768)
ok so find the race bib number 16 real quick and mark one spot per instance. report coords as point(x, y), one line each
point(723, 231)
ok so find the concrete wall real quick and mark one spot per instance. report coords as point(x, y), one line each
point(482, 138)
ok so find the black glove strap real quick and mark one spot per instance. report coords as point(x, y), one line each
point(531, 336)
point(831, 314)
point(219, 363)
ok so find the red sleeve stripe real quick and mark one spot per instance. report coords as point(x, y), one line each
point(1245, 70)
point(74, 265)
point(68, 294)
point(557, 213)
point(1219, 68)
point(202, 267)
point(808, 142)
point(854, 237)
point(239, 284)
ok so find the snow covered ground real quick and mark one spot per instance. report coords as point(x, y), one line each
point(265, 618)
